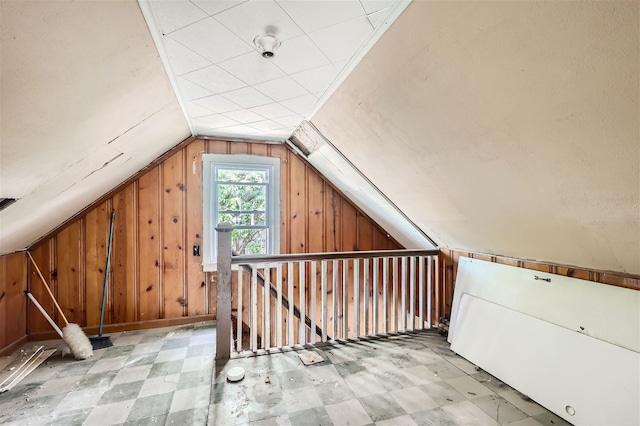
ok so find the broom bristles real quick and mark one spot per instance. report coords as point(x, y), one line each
point(78, 342)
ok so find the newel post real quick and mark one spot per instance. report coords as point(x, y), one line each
point(223, 298)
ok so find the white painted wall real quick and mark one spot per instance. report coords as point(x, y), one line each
point(509, 128)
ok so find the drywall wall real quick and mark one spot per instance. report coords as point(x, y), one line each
point(85, 104)
point(506, 128)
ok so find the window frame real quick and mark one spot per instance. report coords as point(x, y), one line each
point(210, 162)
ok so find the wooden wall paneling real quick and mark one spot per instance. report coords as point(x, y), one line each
point(217, 147)
point(123, 256)
point(173, 236)
point(149, 194)
point(349, 242)
point(42, 256)
point(259, 149)
point(196, 284)
point(365, 228)
point(566, 271)
point(298, 225)
point(70, 291)
point(333, 220)
point(13, 302)
point(96, 241)
point(4, 321)
point(281, 152)
point(238, 148)
point(316, 213)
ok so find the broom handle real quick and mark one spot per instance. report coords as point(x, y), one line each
point(106, 273)
point(46, 286)
point(41, 309)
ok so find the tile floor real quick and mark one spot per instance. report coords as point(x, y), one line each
point(168, 376)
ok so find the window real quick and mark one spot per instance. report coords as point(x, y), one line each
point(243, 190)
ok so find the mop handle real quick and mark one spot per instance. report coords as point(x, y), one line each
point(46, 315)
point(46, 286)
point(106, 273)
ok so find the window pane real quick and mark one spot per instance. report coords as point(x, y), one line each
point(247, 176)
point(243, 219)
point(241, 197)
point(249, 241)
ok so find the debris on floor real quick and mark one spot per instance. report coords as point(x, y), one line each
point(24, 363)
point(443, 326)
point(310, 357)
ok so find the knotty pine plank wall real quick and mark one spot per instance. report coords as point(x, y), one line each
point(13, 302)
point(448, 270)
point(154, 276)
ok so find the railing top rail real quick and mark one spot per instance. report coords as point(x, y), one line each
point(247, 259)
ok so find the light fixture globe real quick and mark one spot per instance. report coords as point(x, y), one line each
point(266, 44)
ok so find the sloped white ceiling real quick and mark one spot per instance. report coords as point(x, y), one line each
point(509, 128)
point(85, 102)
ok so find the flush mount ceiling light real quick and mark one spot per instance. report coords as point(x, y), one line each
point(266, 44)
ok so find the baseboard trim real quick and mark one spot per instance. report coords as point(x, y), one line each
point(12, 347)
point(128, 326)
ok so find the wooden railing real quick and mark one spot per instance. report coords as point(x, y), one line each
point(275, 302)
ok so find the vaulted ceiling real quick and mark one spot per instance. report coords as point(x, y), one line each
point(502, 127)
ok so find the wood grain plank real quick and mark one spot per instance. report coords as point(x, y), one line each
point(15, 281)
point(316, 213)
point(70, 294)
point(238, 148)
point(122, 258)
point(173, 240)
point(365, 232)
point(297, 205)
point(41, 255)
point(4, 324)
point(196, 287)
point(96, 240)
point(333, 220)
point(149, 241)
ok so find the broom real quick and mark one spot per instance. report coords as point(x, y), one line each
point(72, 334)
point(100, 341)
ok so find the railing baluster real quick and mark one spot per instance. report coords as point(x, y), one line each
point(345, 298)
point(403, 281)
point(421, 292)
point(254, 308)
point(323, 278)
point(412, 293)
point(301, 324)
point(356, 298)
point(429, 289)
point(375, 295)
point(395, 294)
point(291, 302)
point(266, 301)
point(385, 294)
point(366, 296)
point(279, 304)
point(314, 306)
point(239, 321)
point(334, 298)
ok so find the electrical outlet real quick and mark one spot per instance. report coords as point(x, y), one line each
point(196, 250)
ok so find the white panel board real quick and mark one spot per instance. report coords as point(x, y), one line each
point(556, 367)
point(604, 312)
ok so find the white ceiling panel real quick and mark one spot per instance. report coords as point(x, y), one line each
point(254, 18)
point(341, 41)
point(289, 120)
point(247, 97)
point(190, 91)
point(244, 116)
point(266, 125)
point(210, 51)
point(372, 6)
point(214, 79)
point(314, 15)
point(218, 104)
point(376, 18)
point(183, 59)
point(212, 40)
point(317, 80)
point(302, 104)
point(196, 110)
point(252, 68)
point(299, 54)
point(216, 6)
point(214, 121)
point(281, 89)
point(272, 111)
point(173, 15)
